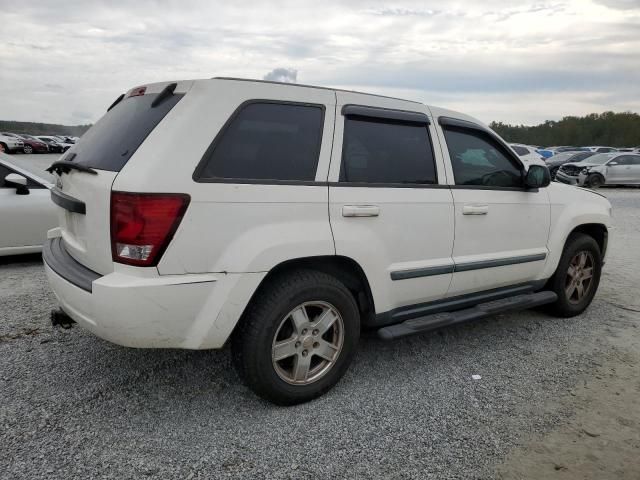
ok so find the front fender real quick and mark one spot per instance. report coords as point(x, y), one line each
point(572, 207)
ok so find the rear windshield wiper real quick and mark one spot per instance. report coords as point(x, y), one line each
point(64, 166)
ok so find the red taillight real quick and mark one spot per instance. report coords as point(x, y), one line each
point(142, 225)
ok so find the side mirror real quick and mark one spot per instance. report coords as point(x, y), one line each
point(537, 177)
point(19, 182)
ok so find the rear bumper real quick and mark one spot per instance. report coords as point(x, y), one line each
point(194, 311)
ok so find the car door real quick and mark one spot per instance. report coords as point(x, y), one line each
point(24, 219)
point(620, 170)
point(635, 169)
point(390, 208)
point(501, 228)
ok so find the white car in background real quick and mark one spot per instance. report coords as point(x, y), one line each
point(26, 210)
point(9, 144)
point(616, 168)
point(528, 154)
point(602, 149)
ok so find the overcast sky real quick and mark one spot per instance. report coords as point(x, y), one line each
point(520, 62)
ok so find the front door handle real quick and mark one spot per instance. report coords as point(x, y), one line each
point(360, 211)
point(475, 209)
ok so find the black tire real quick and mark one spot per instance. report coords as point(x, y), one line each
point(564, 306)
point(28, 149)
point(3, 148)
point(595, 180)
point(553, 171)
point(252, 340)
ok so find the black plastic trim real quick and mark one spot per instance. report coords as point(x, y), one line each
point(465, 267)
point(421, 272)
point(387, 185)
point(404, 116)
point(456, 122)
point(68, 202)
point(55, 255)
point(202, 164)
point(459, 302)
point(487, 187)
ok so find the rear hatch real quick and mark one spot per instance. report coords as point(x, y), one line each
point(83, 197)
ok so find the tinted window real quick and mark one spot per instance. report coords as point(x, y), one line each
point(477, 159)
point(383, 151)
point(578, 157)
point(111, 142)
point(268, 141)
point(520, 150)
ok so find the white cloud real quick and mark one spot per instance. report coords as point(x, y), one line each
point(288, 75)
point(67, 60)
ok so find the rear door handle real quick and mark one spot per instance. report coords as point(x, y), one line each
point(360, 211)
point(475, 209)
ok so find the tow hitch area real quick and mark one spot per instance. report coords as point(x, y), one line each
point(61, 319)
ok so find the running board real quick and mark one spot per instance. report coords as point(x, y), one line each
point(438, 320)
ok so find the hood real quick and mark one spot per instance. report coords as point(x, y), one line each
point(583, 164)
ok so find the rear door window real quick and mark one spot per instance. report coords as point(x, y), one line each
point(385, 151)
point(111, 142)
point(266, 141)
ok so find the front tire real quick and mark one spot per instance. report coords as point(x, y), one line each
point(28, 149)
point(595, 180)
point(297, 337)
point(577, 277)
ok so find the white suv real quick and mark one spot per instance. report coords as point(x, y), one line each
point(298, 216)
point(10, 144)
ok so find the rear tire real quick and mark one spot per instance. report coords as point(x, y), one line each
point(3, 148)
point(281, 348)
point(577, 277)
point(595, 180)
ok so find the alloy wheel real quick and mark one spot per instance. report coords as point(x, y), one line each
point(307, 343)
point(579, 276)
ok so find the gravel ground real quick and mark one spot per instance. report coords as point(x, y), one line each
point(74, 406)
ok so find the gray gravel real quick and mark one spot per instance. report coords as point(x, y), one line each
point(74, 406)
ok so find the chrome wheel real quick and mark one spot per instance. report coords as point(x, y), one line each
point(28, 149)
point(307, 343)
point(579, 276)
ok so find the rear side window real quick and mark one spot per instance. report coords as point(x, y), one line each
point(384, 151)
point(111, 142)
point(478, 159)
point(267, 141)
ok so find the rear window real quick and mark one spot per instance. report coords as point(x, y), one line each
point(266, 141)
point(111, 142)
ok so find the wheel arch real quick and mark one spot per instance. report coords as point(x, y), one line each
point(345, 269)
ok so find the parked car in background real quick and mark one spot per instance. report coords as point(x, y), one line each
point(555, 162)
point(30, 145)
point(10, 144)
point(63, 139)
point(600, 149)
point(528, 154)
point(297, 217)
point(602, 169)
point(26, 210)
point(54, 144)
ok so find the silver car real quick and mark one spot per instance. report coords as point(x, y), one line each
point(617, 168)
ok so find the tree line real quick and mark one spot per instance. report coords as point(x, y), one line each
point(33, 128)
point(608, 128)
